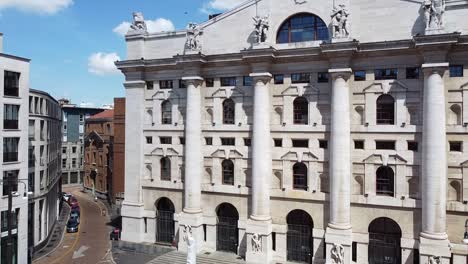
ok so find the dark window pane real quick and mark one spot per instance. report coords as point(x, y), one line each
point(209, 82)
point(278, 142)
point(182, 84)
point(165, 164)
point(166, 84)
point(301, 111)
point(412, 145)
point(455, 146)
point(10, 180)
point(228, 81)
point(360, 76)
point(166, 112)
point(359, 144)
point(412, 73)
point(300, 77)
point(300, 176)
point(228, 141)
point(10, 116)
point(149, 85)
point(279, 78)
point(10, 149)
point(228, 172)
point(385, 110)
point(389, 145)
point(165, 140)
point(302, 27)
point(149, 140)
point(209, 141)
point(247, 142)
point(323, 144)
point(385, 181)
point(322, 77)
point(386, 74)
point(11, 83)
point(248, 81)
point(456, 71)
point(300, 143)
point(229, 108)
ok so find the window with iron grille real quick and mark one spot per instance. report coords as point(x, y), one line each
point(301, 111)
point(165, 140)
point(166, 84)
point(10, 178)
point(322, 77)
point(456, 71)
point(385, 110)
point(412, 73)
point(278, 78)
point(300, 77)
point(10, 116)
point(165, 169)
point(228, 81)
point(300, 176)
point(229, 112)
point(386, 74)
point(209, 82)
point(385, 145)
point(11, 83)
point(228, 141)
point(359, 76)
point(300, 143)
point(10, 149)
point(385, 181)
point(228, 172)
point(166, 112)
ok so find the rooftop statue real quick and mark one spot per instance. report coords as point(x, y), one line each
point(138, 22)
point(340, 22)
point(193, 37)
point(434, 11)
point(261, 28)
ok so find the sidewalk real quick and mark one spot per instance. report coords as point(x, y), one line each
point(56, 236)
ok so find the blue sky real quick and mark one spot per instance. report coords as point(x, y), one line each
point(72, 42)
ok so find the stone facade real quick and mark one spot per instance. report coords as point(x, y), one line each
point(346, 140)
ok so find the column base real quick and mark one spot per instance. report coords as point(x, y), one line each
point(132, 222)
point(195, 221)
point(434, 248)
point(259, 241)
point(340, 237)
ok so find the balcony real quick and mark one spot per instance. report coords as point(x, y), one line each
point(10, 156)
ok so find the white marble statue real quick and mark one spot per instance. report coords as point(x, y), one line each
point(262, 26)
point(340, 22)
point(138, 22)
point(191, 247)
point(434, 11)
point(193, 37)
point(256, 243)
point(337, 254)
point(434, 260)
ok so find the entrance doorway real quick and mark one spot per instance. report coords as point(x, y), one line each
point(384, 242)
point(227, 234)
point(299, 237)
point(165, 221)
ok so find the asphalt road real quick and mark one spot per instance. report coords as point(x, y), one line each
point(88, 246)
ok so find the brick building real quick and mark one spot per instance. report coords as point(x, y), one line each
point(118, 175)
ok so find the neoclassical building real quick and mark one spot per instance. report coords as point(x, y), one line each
point(302, 131)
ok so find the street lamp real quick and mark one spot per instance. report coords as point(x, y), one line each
point(11, 193)
point(465, 238)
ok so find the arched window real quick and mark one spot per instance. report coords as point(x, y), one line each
point(302, 27)
point(301, 111)
point(299, 242)
point(165, 225)
point(384, 241)
point(385, 110)
point(227, 232)
point(165, 169)
point(229, 111)
point(385, 181)
point(228, 172)
point(166, 112)
point(300, 176)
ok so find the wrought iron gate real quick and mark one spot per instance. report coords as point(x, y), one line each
point(227, 234)
point(299, 243)
point(165, 226)
point(384, 249)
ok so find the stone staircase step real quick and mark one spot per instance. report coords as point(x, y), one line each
point(175, 257)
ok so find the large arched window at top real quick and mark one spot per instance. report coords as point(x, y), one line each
point(302, 27)
point(385, 110)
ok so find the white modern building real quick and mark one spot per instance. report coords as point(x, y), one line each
point(14, 94)
point(45, 141)
point(302, 131)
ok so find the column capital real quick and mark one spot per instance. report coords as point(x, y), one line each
point(135, 84)
point(436, 68)
point(344, 73)
point(195, 80)
point(265, 77)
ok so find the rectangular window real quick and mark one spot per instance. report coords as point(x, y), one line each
point(273, 241)
point(386, 74)
point(228, 141)
point(182, 84)
point(456, 71)
point(165, 140)
point(10, 178)
point(323, 144)
point(300, 143)
point(247, 142)
point(4, 246)
point(73, 149)
point(209, 141)
point(456, 146)
point(248, 81)
point(354, 251)
point(279, 78)
point(388, 145)
point(412, 73)
point(209, 82)
point(359, 76)
point(322, 77)
point(149, 85)
point(358, 144)
point(73, 163)
point(149, 140)
point(11, 83)
point(228, 81)
point(278, 142)
point(64, 163)
point(166, 84)
point(31, 158)
point(31, 181)
point(10, 149)
point(64, 150)
point(14, 219)
point(82, 118)
point(413, 146)
point(300, 77)
point(10, 116)
point(32, 129)
point(182, 140)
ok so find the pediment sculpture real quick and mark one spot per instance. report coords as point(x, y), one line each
point(138, 23)
point(434, 11)
point(193, 37)
point(262, 25)
point(340, 22)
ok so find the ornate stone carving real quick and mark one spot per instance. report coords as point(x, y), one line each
point(261, 28)
point(256, 243)
point(337, 254)
point(191, 247)
point(340, 22)
point(433, 11)
point(139, 23)
point(193, 37)
point(434, 260)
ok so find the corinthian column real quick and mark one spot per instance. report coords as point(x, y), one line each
point(192, 213)
point(339, 226)
point(259, 222)
point(434, 239)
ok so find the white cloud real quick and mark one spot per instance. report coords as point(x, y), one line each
point(37, 6)
point(157, 25)
point(220, 5)
point(101, 63)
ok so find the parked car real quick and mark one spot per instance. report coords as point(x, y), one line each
point(115, 234)
point(75, 215)
point(72, 226)
point(75, 208)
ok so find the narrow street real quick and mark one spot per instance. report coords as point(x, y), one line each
point(88, 246)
